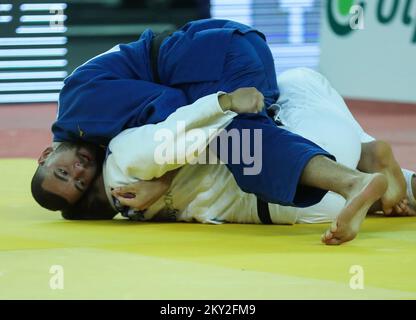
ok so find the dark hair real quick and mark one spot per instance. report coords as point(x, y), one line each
point(44, 198)
point(90, 207)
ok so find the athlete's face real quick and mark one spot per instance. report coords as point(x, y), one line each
point(69, 170)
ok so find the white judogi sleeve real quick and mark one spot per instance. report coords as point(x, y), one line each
point(145, 152)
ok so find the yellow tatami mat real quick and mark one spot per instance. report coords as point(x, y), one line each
point(125, 260)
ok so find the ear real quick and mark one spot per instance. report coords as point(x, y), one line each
point(44, 155)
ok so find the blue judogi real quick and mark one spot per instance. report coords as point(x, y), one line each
point(117, 90)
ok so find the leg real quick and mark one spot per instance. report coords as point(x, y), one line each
point(249, 63)
point(307, 94)
point(307, 111)
point(300, 175)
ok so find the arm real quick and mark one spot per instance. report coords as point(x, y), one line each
point(136, 151)
point(142, 194)
point(110, 93)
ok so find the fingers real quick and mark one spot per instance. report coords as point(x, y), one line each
point(260, 102)
point(257, 102)
point(124, 189)
point(129, 202)
point(125, 198)
point(132, 202)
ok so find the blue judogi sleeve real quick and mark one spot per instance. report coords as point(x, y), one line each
point(116, 90)
point(112, 92)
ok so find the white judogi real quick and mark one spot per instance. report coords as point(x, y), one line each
point(309, 106)
point(205, 193)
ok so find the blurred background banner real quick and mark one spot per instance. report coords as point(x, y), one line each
point(33, 50)
point(368, 48)
point(291, 27)
point(41, 42)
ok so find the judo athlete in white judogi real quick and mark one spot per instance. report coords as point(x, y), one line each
point(208, 193)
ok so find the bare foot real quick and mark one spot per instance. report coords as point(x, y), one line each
point(378, 156)
point(364, 192)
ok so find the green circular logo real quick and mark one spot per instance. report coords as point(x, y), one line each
point(338, 13)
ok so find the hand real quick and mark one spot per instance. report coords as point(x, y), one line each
point(243, 100)
point(142, 194)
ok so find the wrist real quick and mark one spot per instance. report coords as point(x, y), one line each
point(225, 101)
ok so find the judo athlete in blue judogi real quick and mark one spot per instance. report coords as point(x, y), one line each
point(120, 89)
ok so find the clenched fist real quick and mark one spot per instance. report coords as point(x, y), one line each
point(243, 100)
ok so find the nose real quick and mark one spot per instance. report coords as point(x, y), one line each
point(78, 169)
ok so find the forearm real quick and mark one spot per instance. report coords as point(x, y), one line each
point(145, 152)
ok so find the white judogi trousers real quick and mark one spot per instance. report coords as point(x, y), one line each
point(311, 107)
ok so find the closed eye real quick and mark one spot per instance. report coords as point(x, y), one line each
point(80, 185)
point(61, 174)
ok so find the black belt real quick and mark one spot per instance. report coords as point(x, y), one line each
point(263, 212)
point(154, 52)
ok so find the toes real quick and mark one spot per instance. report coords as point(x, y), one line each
point(398, 209)
point(402, 208)
point(333, 242)
point(327, 236)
